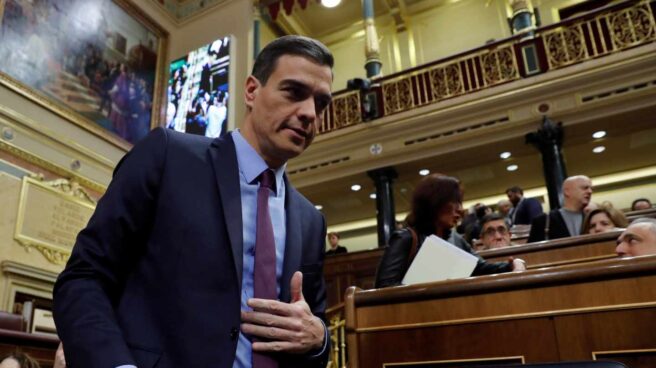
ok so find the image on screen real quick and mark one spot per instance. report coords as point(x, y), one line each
point(198, 90)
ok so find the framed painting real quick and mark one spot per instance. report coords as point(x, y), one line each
point(97, 63)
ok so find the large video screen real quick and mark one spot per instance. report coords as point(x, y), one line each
point(198, 90)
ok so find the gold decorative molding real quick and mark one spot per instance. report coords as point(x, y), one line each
point(49, 166)
point(50, 214)
point(598, 354)
point(513, 359)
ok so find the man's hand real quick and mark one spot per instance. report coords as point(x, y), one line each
point(290, 328)
point(60, 361)
point(517, 264)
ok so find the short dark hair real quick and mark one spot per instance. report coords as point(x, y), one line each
point(494, 216)
point(639, 200)
point(515, 189)
point(333, 233)
point(309, 48)
point(431, 195)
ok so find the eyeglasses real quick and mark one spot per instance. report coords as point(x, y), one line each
point(491, 230)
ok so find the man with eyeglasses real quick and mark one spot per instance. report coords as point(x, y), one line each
point(494, 232)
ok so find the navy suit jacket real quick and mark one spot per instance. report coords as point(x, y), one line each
point(526, 211)
point(154, 280)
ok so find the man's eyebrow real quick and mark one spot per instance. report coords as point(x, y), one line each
point(628, 237)
point(299, 84)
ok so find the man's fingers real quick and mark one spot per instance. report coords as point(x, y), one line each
point(269, 333)
point(278, 346)
point(296, 287)
point(271, 320)
point(276, 307)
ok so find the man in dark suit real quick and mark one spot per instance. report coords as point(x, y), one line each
point(568, 220)
point(524, 209)
point(193, 254)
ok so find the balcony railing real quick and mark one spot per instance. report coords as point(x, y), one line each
point(597, 34)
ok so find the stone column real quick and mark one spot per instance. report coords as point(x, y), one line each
point(373, 64)
point(386, 222)
point(549, 140)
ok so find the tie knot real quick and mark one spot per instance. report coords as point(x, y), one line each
point(268, 179)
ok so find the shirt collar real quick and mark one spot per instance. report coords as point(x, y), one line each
point(251, 164)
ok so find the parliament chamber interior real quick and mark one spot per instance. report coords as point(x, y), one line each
point(539, 110)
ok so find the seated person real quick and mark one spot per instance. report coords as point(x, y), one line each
point(494, 232)
point(603, 219)
point(639, 239)
point(641, 204)
point(335, 248)
point(436, 207)
point(18, 360)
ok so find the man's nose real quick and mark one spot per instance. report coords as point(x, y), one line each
point(307, 112)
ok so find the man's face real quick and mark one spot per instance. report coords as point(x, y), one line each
point(333, 240)
point(514, 197)
point(637, 240)
point(495, 234)
point(285, 113)
point(641, 205)
point(580, 192)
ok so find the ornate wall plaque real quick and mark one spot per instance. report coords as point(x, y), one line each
point(50, 214)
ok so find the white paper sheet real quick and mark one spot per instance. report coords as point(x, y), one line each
point(439, 260)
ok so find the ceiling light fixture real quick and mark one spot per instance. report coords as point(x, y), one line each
point(512, 167)
point(318, 206)
point(505, 155)
point(372, 195)
point(424, 172)
point(599, 149)
point(356, 187)
point(330, 3)
point(599, 134)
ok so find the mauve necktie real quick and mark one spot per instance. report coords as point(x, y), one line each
point(264, 274)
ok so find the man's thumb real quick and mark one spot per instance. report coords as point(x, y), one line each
point(297, 287)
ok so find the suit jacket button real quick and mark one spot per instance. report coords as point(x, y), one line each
point(234, 333)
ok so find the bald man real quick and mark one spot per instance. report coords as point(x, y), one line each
point(639, 239)
point(566, 221)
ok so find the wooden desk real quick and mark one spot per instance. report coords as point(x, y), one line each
point(40, 347)
point(577, 249)
point(350, 269)
point(632, 215)
point(576, 312)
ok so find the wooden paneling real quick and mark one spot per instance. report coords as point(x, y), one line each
point(558, 313)
point(556, 252)
point(485, 341)
point(350, 269)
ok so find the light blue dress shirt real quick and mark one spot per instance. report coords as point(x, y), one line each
point(251, 166)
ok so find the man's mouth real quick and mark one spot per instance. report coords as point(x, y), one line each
point(300, 133)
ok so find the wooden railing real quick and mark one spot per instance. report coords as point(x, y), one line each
point(604, 32)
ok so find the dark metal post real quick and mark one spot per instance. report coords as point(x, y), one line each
point(549, 140)
point(383, 179)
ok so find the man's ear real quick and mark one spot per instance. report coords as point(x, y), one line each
point(251, 90)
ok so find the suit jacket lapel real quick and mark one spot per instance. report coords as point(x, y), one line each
point(293, 244)
point(226, 171)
